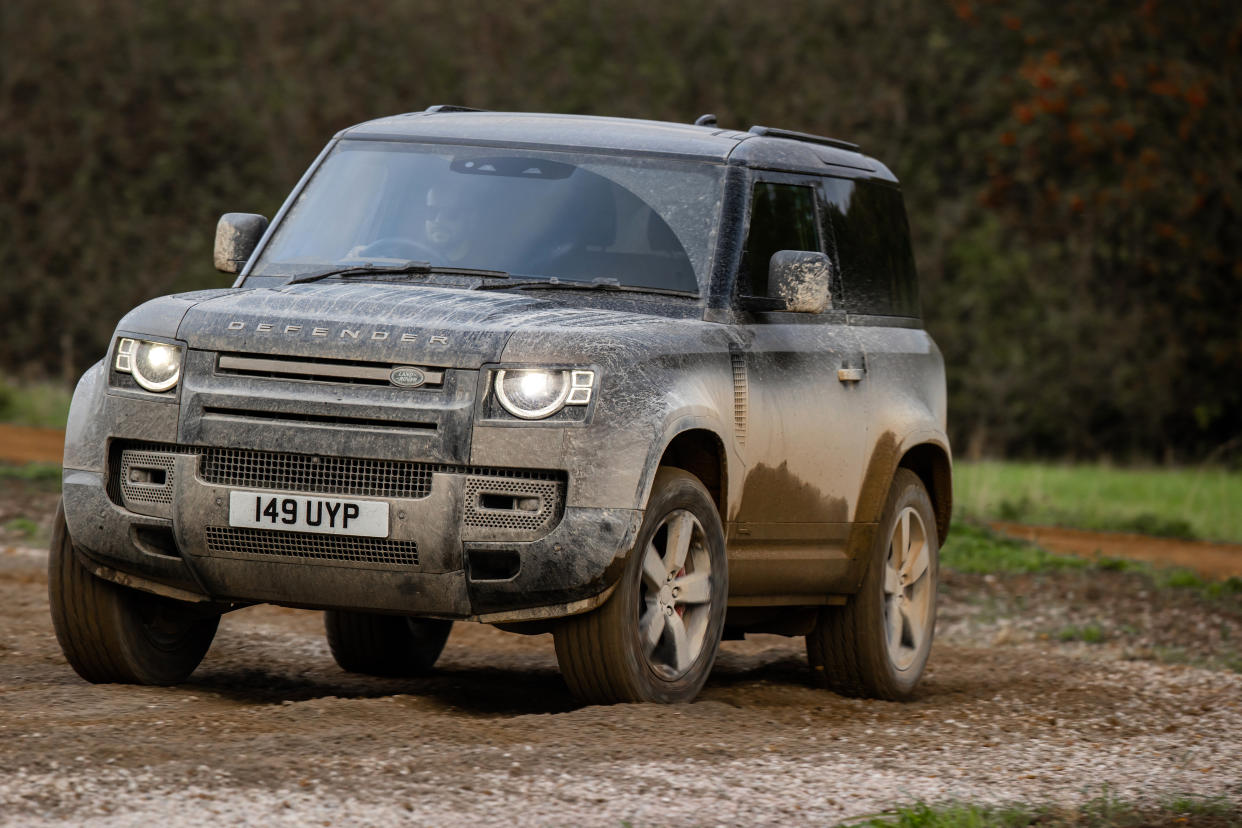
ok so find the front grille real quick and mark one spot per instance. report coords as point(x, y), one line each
point(307, 546)
point(318, 419)
point(309, 473)
point(323, 370)
point(287, 471)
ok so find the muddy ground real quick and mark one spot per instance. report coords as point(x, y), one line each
point(1056, 688)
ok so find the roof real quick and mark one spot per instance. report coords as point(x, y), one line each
point(763, 148)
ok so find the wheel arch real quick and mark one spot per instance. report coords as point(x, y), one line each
point(931, 462)
point(694, 446)
point(924, 452)
point(701, 452)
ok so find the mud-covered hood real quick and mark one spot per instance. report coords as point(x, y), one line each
point(381, 323)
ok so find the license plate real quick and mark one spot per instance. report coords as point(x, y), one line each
point(299, 513)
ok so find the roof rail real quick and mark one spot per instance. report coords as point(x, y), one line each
point(451, 108)
point(773, 132)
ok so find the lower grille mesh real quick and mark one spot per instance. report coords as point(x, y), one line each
point(286, 471)
point(304, 545)
point(306, 473)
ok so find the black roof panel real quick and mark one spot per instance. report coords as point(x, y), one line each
point(766, 151)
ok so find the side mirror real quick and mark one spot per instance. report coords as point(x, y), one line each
point(801, 280)
point(237, 234)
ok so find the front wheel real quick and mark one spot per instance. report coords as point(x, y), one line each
point(877, 645)
point(110, 634)
point(655, 638)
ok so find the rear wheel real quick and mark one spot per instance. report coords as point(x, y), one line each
point(656, 637)
point(110, 634)
point(385, 645)
point(877, 645)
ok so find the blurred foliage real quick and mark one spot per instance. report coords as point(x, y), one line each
point(1072, 172)
point(1199, 503)
point(40, 404)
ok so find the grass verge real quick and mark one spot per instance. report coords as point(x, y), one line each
point(39, 476)
point(44, 404)
point(977, 550)
point(1180, 503)
point(1104, 811)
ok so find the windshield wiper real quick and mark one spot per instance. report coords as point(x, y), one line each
point(409, 268)
point(554, 283)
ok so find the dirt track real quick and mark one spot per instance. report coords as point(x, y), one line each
point(22, 444)
point(270, 731)
point(1212, 560)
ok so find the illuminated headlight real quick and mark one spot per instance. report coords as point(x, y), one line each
point(535, 393)
point(156, 366)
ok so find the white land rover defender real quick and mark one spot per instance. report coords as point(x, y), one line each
point(643, 385)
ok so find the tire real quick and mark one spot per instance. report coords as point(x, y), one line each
point(877, 644)
point(672, 592)
point(110, 634)
point(385, 645)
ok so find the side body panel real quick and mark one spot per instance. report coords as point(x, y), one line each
point(789, 517)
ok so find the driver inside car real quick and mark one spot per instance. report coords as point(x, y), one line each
point(449, 224)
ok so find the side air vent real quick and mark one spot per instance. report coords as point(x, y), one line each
point(512, 509)
point(146, 482)
point(741, 396)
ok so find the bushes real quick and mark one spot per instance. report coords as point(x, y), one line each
point(1072, 174)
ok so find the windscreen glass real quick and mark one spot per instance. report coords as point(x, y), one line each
point(644, 222)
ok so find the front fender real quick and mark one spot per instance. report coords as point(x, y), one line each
point(699, 419)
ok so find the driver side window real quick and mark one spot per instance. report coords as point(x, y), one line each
point(782, 217)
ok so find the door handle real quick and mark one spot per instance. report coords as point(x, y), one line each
point(851, 374)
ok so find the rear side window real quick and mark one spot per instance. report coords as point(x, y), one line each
point(782, 217)
point(873, 248)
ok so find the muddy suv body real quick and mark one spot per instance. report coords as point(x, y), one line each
point(723, 322)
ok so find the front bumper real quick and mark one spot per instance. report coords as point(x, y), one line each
point(442, 566)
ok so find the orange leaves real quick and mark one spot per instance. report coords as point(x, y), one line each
point(1052, 104)
point(1196, 95)
point(1163, 88)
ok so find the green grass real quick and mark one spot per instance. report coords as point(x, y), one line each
point(1088, 634)
point(1183, 503)
point(34, 404)
point(1105, 811)
point(977, 550)
point(43, 476)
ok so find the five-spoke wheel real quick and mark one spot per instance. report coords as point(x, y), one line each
point(655, 638)
point(908, 590)
point(676, 595)
point(878, 643)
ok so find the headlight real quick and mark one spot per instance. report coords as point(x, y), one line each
point(156, 366)
point(535, 393)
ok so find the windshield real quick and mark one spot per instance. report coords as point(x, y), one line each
point(573, 216)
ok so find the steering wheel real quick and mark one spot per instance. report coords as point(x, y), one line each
point(393, 247)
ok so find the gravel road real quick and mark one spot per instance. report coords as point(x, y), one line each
point(269, 731)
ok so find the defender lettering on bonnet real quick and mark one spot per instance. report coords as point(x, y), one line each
point(376, 335)
point(672, 386)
